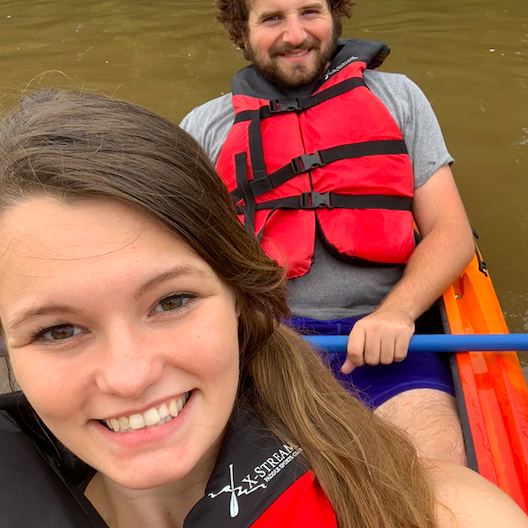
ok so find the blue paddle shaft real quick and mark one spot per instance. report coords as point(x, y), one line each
point(431, 343)
point(439, 342)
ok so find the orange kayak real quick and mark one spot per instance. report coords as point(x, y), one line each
point(491, 392)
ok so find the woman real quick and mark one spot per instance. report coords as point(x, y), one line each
point(140, 321)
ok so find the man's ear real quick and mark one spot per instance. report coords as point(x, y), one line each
point(244, 47)
point(244, 40)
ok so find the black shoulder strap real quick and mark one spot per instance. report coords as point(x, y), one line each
point(253, 469)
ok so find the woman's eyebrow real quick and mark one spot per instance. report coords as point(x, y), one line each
point(25, 315)
point(175, 272)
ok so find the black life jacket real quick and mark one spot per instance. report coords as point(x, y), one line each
point(40, 480)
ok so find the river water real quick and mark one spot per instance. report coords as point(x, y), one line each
point(469, 56)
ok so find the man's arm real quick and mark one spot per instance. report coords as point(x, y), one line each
point(443, 253)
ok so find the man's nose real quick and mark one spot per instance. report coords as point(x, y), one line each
point(295, 32)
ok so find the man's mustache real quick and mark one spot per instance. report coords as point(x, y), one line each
point(286, 49)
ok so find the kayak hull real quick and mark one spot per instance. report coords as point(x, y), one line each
point(493, 395)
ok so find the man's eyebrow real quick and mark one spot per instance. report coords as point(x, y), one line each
point(25, 315)
point(266, 14)
point(318, 5)
point(270, 13)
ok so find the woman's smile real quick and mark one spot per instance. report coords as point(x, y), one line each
point(169, 429)
point(153, 417)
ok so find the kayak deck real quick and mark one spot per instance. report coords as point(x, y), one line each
point(494, 393)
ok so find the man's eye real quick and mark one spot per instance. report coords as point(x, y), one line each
point(59, 332)
point(272, 18)
point(173, 302)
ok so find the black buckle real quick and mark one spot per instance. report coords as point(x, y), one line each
point(315, 200)
point(306, 162)
point(277, 106)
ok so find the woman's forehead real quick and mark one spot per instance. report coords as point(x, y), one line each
point(48, 240)
point(53, 229)
point(54, 251)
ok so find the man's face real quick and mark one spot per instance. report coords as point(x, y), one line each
point(290, 42)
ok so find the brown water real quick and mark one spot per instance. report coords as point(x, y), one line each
point(469, 56)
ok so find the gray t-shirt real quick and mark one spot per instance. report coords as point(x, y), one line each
point(333, 289)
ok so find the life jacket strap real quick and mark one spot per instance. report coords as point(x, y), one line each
point(248, 209)
point(314, 200)
point(300, 104)
point(320, 158)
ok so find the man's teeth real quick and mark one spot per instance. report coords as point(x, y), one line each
point(151, 418)
point(299, 53)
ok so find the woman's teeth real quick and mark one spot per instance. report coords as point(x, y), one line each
point(151, 418)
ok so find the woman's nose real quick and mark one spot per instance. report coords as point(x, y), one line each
point(129, 364)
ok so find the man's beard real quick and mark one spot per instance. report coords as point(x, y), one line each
point(297, 75)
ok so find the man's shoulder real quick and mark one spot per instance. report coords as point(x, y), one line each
point(209, 124)
point(212, 110)
point(402, 97)
point(389, 82)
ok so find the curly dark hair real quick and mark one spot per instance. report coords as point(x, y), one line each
point(233, 15)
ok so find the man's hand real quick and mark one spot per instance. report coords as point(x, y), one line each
point(381, 337)
point(445, 250)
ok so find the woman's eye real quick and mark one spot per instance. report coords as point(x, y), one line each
point(173, 302)
point(59, 332)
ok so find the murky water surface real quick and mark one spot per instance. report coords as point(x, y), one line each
point(469, 56)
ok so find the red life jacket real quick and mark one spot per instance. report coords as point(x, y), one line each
point(302, 504)
point(335, 160)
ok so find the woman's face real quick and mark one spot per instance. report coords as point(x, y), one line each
point(122, 338)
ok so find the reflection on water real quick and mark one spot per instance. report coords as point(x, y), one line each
point(469, 56)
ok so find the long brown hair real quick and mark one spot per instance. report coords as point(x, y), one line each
point(234, 14)
point(74, 147)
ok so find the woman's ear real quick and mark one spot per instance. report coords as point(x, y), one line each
point(238, 304)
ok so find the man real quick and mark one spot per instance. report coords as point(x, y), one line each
point(322, 161)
